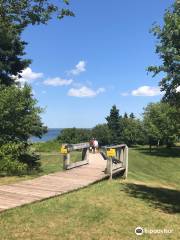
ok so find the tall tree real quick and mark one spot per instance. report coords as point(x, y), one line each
point(15, 16)
point(160, 125)
point(19, 115)
point(168, 49)
point(114, 125)
point(132, 131)
point(102, 133)
point(132, 115)
point(125, 115)
point(25, 12)
point(11, 52)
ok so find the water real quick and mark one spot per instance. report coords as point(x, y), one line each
point(50, 135)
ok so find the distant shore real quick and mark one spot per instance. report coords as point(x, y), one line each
point(51, 134)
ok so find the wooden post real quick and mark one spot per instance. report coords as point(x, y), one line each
point(66, 160)
point(85, 154)
point(109, 167)
point(118, 150)
point(122, 156)
point(126, 162)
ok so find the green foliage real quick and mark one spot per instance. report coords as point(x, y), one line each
point(160, 125)
point(11, 52)
point(25, 12)
point(114, 125)
point(132, 131)
point(168, 49)
point(16, 159)
point(124, 129)
point(19, 120)
point(19, 116)
point(15, 16)
point(102, 133)
point(131, 115)
point(74, 135)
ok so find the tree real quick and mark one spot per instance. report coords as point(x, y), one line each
point(114, 125)
point(19, 116)
point(25, 12)
point(19, 120)
point(132, 131)
point(11, 51)
point(132, 115)
point(102, 133)
point(160, 126)
point(15, 16)
point(125, 115)
point(168, 49)
point(74, 135)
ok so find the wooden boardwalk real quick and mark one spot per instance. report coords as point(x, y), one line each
point(38, 189)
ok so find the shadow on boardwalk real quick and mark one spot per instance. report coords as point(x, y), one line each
point(168, 200)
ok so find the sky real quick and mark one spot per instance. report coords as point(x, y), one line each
point(83, 65)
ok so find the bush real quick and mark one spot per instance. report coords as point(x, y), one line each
point(74, 135)
point(16, 159)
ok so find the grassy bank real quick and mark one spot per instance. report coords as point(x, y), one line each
point(110, 209)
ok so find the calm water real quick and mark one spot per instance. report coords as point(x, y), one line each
point(50, 135)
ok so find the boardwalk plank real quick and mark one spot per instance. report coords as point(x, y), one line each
point(51, 185)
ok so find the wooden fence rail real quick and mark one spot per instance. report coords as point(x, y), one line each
point(117, 159)
point(66, 150)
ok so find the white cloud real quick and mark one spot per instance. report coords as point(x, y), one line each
point(80, 67)
point(146, 91)
point(84, 92)
point(28, 75)
point(58, 82)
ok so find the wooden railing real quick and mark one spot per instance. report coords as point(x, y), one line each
point(66, 150)
point(117, 159)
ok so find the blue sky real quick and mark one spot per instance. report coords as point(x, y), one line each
point(82, 66)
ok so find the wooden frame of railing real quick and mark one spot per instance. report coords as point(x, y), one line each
point(120, 156)
point(67, 155)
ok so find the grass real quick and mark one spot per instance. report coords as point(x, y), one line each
point(49, 146)
point(109, 209)
point(161, 167)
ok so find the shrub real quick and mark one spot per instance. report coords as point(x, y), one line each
point(74, 135)
point(16, 159)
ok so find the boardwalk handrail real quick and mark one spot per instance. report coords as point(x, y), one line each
point(72, 147)
point(117, 159)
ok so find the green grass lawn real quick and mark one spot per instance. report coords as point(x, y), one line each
point(150, 198)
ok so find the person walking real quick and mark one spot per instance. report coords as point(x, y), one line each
point(96, 145)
